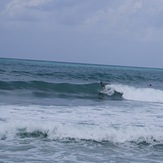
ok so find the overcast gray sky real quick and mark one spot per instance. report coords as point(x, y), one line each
point(114, 32)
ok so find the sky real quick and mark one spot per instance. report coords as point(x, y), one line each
point(112, 32)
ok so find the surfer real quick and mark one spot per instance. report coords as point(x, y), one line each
point(102, 85)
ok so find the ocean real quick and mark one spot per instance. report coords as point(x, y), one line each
point(53, 112)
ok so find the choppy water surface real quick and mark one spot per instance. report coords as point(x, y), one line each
point(53, 112)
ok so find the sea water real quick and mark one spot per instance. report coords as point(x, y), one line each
point(53, 112)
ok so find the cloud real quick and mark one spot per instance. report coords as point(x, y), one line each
point(138, 19)
point(24, 9)
point(16, 5)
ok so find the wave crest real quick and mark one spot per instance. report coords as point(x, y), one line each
point(139, 94)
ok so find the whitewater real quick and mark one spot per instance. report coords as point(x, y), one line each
point(53, 112)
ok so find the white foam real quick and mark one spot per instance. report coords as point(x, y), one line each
point(56, 131)
point(97, 123)
point(139, 94)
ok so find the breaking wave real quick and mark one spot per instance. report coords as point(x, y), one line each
point(85, 91)
point(68, 133)
point(139, 94)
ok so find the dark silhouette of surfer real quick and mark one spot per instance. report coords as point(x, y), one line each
point(102, 85)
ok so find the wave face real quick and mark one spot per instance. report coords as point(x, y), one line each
point(42, 89)
point(46, 86)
